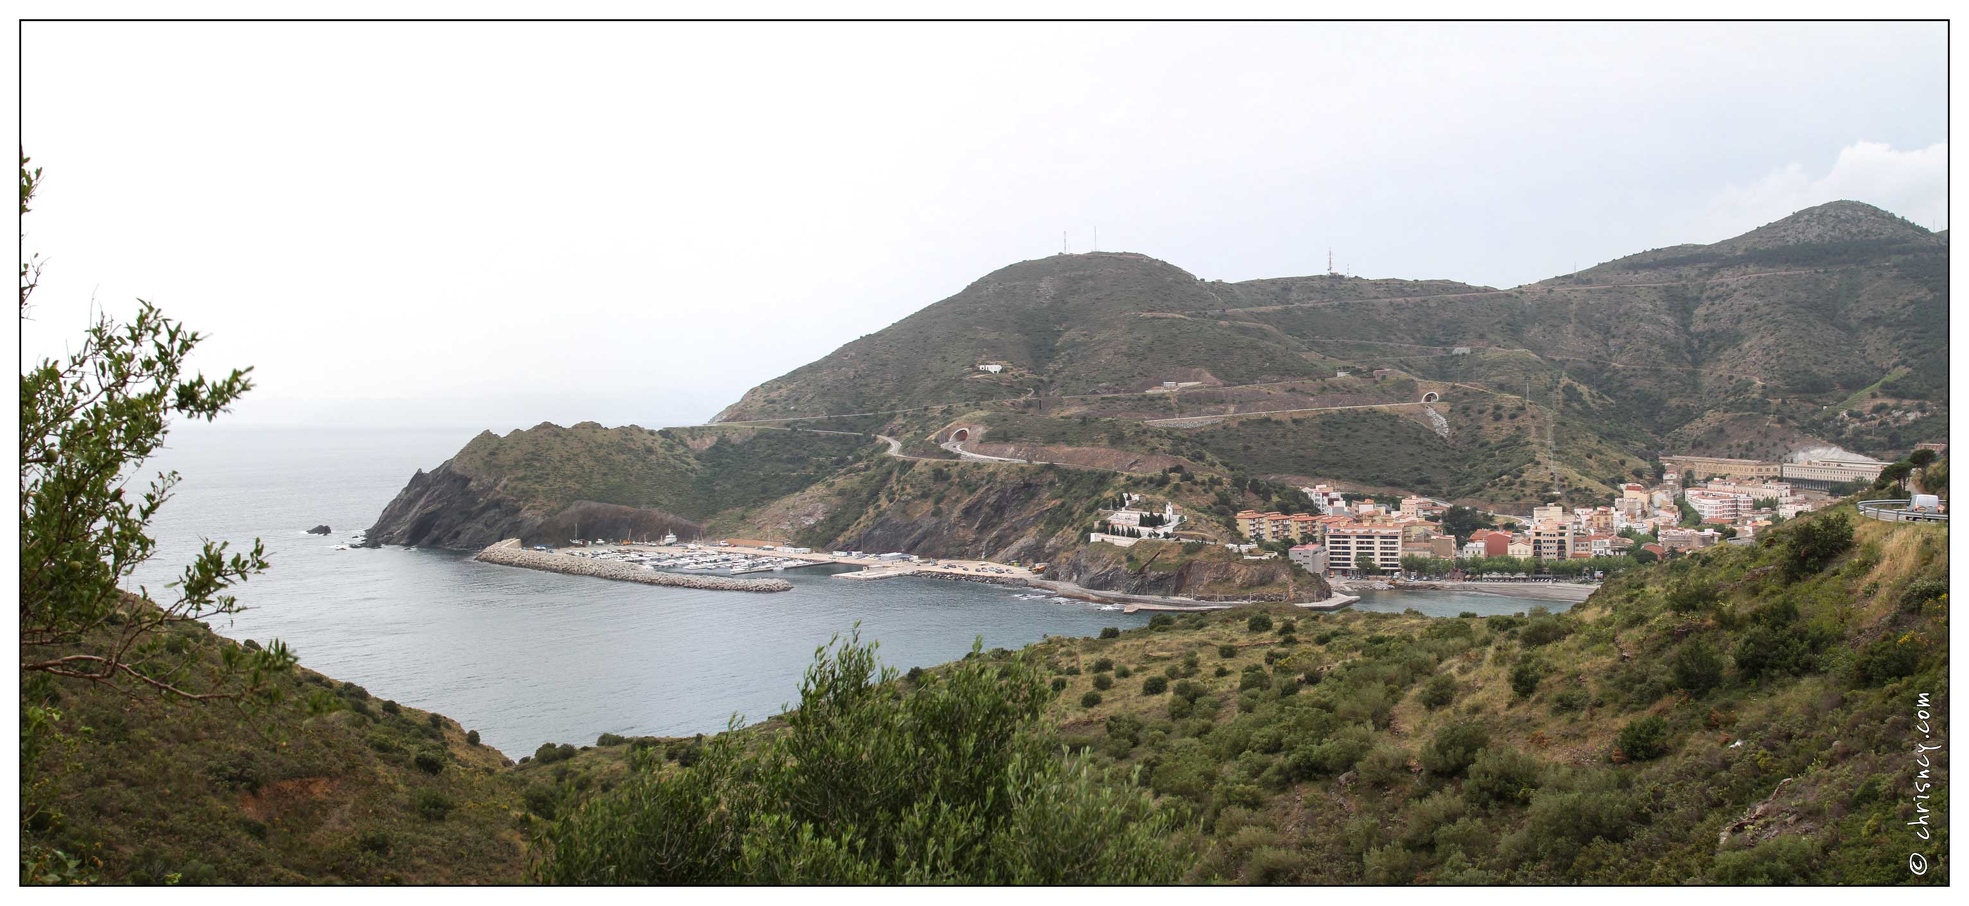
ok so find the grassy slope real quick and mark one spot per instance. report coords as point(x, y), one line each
point(693, 473)
point(1336, 783)
point(142, 789)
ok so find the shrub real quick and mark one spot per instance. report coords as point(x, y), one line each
point(1814, 543)
point(1123, 672)
point(1227, 651)
point(1501, 775)
point(548, 753)
point(1454, 748)
point(1544, 630)
point(1155, 685)
point(1698, 667)
point(1110, 632)
point(1921, 591)
point(1059, 684)
point(1525, 677)
point(374, 841)
point(1645, 739)
point(1439, 691)
point(1221, 671)
point(1690, 595)
point(392, 708)
point(1254, 677)
point(542, 800)
point(864, 780)
point(429, 762)
point(1259, 623)
point(1570, 699)
point(1090, 699)
point(1762, 650)
point(1779, 860)
point(1103, 682)
point(1384, 766)
point(1103, 665)
point(472, 737)
point(1161, 622)
point(610, 739)
point(433, 805)
point(435, 719)
point(1887, 659)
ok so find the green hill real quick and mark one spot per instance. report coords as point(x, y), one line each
point(1826, 326)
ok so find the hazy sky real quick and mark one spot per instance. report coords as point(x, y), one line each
point(491, 225)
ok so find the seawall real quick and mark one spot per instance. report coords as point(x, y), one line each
point(509, 553)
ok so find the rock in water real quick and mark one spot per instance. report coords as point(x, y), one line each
point(318, 530)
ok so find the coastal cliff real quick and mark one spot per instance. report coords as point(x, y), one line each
point(548, 484)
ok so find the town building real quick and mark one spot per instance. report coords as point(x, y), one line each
point(1551, 540)
point(1310, 557)
point(1326, 500)
point(1685, 540)
point(1354, 547)
point(1716, 506)
point(1520, 547)
point(1716, 466)
point(1822, 474)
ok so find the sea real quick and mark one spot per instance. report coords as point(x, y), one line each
point(529, 657)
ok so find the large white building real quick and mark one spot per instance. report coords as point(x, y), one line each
point(1718, 506)
point(1353, 547)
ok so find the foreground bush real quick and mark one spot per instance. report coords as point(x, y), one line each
point(947, 781)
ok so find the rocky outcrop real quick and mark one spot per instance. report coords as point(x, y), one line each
point(443, 508)
point(319, 530)
point(1210, 572)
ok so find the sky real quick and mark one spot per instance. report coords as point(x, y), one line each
point(496, 224)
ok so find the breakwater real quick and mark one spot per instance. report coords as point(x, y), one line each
point(509, 553)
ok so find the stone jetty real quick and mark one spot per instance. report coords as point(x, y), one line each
point(510, 553)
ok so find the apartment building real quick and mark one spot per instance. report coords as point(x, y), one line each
point(1356, 547)
point(1716, 506)
point(1551, 540)
point(1310, 557)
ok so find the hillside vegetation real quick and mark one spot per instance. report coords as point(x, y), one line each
point(1742, 716)
point(1827, 326)
point(327, 785)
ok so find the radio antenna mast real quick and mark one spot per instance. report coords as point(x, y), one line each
point(1097, 240)
point(1063, 243)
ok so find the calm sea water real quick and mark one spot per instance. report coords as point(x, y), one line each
point(529, 657)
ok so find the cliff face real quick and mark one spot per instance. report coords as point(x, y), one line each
point(548, 484)
point(440, 508)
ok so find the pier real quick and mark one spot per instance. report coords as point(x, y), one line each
point(510, 553)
